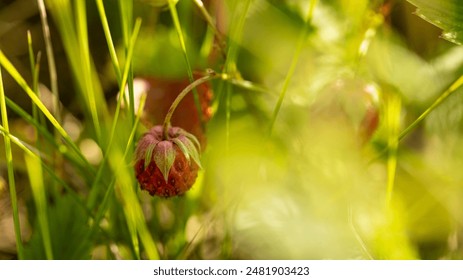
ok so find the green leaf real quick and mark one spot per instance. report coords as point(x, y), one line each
point(445, 14)
point(149, 155)
point(191, 137)
point(164, 157)
point(183, 148)
point(190, 148)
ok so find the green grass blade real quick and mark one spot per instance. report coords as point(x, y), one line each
point(444, 96)
point(94, 190)
point(10, 168)
point(236, 31)
point(126, 10)
point(35, 77)
point(71, 21)
point(82, 37)
point(132, 209)
point(33, 63)
point(43, 131)
point(103, 206)
point(37, 102)
point(178, 28)
point(293, 65)
point(393, 108)
point(126, 13)
point(29, 151)
point(109, 40)
point(456, 85)
point(51, 60)
point(34, 168)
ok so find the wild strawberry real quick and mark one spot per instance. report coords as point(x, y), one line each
point(167, 167)
point(354, 100)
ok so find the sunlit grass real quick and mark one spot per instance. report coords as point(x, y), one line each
point(10, 167)
point(286, 168)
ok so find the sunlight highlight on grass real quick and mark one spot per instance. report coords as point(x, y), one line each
point(82, 39)
point(293, 65)
point(34, 168)
point(10, 169)
point(455, 85)
point(37, 102)
point(393, 108)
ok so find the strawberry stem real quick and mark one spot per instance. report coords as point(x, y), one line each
point(210, 75)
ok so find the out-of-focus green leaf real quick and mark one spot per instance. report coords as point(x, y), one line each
point(67, 226)
point(445, 14)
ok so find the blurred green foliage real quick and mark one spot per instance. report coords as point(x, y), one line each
point(332, 181)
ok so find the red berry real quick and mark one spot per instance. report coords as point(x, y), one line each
point(167, 167)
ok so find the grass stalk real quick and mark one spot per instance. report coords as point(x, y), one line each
point(34, 168)
point(34, 64)
point(43, 131)
point(32, 152)
point(393, 108)
point(109, 40)
point(93, 193)
point(51, 60)
point(37, 102)
point(82, 38)
point(446, 94)
point(178, 28)
point(293, 65)
point(103, 206)
point(453, 87)
point(126, 12)
point(10, 170)
point(211, 23)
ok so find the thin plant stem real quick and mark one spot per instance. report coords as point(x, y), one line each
point(50, 59)
point(453, 87)
point(211, 75)
point(109, 191)
point(393, 107)
point(10, 169)
point(293, 65)
point(457, 84)
point(230, 62)
point(109, 40)
point(34, 64)
point(210, 21)
point(126, 13)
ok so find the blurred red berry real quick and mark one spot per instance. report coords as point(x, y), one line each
point(353, 100)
